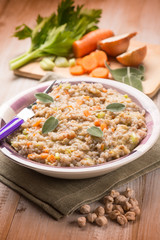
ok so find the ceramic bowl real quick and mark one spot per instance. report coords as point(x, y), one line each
point(13, 106)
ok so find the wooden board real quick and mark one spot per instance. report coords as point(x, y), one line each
point(151, 62)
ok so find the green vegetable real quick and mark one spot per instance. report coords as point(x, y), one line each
point(61, 62)
point(72, 62)
point(95, 131)
point(47, 64)
point(129, 75)
point(55, 34)
point(44, 97)
point(101, 115)
point(50, 124)
point(57, 156)
point(134, 138)
point(115, 107)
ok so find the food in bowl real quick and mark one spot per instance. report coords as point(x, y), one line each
point(88, 131)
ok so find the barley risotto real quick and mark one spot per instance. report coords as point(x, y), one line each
point(78, 109)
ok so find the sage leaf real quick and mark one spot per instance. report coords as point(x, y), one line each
point(115, 107)
point(95, 131)
point(128, 75)
point(44, 97)
point(50, 124)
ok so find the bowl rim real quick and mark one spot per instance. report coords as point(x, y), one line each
point(143, 100)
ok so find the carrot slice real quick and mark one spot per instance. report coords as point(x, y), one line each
point(88, 42)
point(77, 70)
point(103, 126)
point(38, 123)
point(100, 56)
point(99, 72)
point(97, 123)
point(89, 63)
point(79, 61)
point(86, 113)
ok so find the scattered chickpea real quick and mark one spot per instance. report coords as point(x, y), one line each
point(91, 217)
point(121, 219)
point(119, 208)
point(85, 209)
point(114, 214)
point(81, 221)
point(126, 206)
point(108, 207)
point(114, 193)
point(107, 199)
point(128, 193)
point(133, 202)
point(99, 211)
point(131, 216)
point(120, 199)
point(101, 221)
point(136, 209)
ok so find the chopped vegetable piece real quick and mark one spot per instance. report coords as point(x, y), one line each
point(38, 123)
point(103, 126)
point(101, 115)
point(100, 56)
point(57, 156)
point(72, 62)
point(79, 61)
point(86, 113)
point(61, 62)
point(77, 70)
point(51, 158)
point(79, 101)
point(44, 155)
point(88, 42)
point(89, 63)
point(97, 123)
point(47, 64)
point(99, 72)
point(134, 138)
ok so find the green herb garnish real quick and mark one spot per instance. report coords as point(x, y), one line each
point(56, 34)
point(115, 107)
point(44, 97)
point(95, 131)
point(129, 75)
point(50, 124)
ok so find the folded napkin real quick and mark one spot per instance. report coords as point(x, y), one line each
point(60, 197)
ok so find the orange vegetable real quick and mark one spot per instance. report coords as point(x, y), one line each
point(102, 147)
point(104, 90)
point(86, 113)
point(51, 158)
point(66, 91)
point(88, 42)
point(76, 70)
point(103, 126)
point(89, 63)
point(96, 108)
point(97, 123)
point(31, 156)
point(28, 144)
point(99, 72)
point(44, 155)
point(86, 97)
point(38, 123)
point(70, 106)
point(100, 56)
point(45, 150)
point(79, 101)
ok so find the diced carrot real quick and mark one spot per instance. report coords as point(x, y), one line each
point(113, 129)
point(79, 61)
point(100, 56)
point(102, 147)
point(97, 123)
point(86, 113)
point(66, 92)
point(79, 101)
point(70, 106)
point(89, 63)
point(86, 97)
point(76, 70)
point(51, 158)
point(96, 108)
point(34, 107)
point(88, 42)
point(104, 90)
point(38, 123)
point(100, 72)
point(45, 150)
point(57, 96)
point(31, 156)
point(44, 155)
point(103, 126)
point(28, 144)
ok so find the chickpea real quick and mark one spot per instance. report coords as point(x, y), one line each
point(99, 211)
point(120, 199)
point(85, 209)
point(91, 217)
point(121, 219)
point(101, 221)
point(107, 199)
point(131, 216)
point(119, 208)
point(114, 214)
point(81, 221)
point(108, 207)
point(114, 194)
point(128, 193)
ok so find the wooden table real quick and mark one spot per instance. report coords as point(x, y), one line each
point(21, 219)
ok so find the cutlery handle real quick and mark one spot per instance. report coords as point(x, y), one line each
point(10, 127)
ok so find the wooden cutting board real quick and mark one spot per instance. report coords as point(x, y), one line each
point(151, 84)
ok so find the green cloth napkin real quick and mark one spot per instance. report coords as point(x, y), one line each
point(60, 197)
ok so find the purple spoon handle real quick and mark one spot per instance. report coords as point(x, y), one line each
point(10, 127)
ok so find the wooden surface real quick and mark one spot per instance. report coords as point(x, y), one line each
point(19, 218)
point(151, 85)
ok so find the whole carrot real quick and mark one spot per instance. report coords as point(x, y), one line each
point(88, 42)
